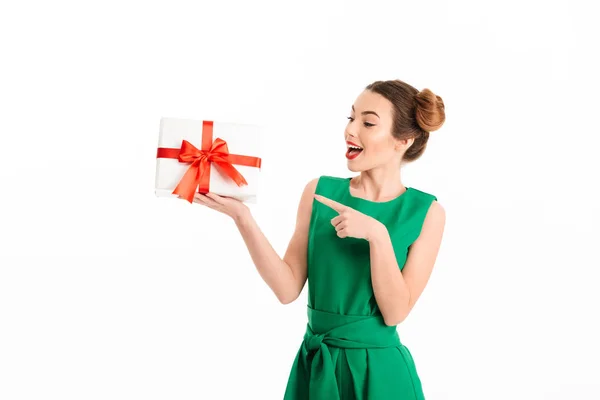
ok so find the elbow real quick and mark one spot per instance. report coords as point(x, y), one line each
point(288, 294)
point(394, 320)
point(287, 298)
point(389, 322)
point(399, 315)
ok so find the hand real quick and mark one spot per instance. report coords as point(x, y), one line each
point(350, 222)
point(226, 205)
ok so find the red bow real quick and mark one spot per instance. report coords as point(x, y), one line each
point(198, 174)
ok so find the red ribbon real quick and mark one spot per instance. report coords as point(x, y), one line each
point(198, 174)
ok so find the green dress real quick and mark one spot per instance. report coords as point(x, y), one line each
point(348, 352)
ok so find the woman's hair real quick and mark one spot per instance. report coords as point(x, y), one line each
point(415, 113)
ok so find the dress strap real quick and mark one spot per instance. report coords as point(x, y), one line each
point(332, 187)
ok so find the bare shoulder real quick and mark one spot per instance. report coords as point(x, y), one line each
point(436, 213)
point(311, 186)
point(308, 193)
point(306, 203)
point(433, 225)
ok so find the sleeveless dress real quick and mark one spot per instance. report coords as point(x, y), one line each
point(348, 353)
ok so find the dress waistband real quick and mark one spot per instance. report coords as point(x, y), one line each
point(345, 331)
point(348, 331)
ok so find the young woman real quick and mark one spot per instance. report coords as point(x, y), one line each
point(367, 246)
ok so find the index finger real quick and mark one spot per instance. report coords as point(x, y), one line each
point(330, 203)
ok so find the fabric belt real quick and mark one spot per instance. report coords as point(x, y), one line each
point(326, 329)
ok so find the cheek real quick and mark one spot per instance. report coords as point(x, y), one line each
point(379, 143)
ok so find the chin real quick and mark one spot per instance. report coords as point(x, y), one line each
point(353, 168)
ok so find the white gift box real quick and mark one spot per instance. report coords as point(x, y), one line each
point(241, 139)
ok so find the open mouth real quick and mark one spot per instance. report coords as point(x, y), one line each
point(353, 151)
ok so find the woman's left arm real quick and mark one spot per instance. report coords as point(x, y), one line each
point(397, 291)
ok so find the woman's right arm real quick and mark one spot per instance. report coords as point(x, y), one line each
point(286, 277)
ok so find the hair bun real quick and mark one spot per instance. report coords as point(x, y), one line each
point(429, 111)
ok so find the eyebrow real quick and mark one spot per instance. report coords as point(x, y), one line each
point(366, 112)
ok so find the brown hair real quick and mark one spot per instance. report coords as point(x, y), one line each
point(416, 113)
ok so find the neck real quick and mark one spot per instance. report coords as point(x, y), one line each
point(379, 185)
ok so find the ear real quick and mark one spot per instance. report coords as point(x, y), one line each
point(403, 144)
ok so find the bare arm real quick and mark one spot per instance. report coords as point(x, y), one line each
point(397, 291)
point(286, 277)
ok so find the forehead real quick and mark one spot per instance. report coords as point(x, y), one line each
point(370, 101)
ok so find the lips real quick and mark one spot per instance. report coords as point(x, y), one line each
point(353, 150)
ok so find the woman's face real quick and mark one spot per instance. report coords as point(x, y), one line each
point(370, 128)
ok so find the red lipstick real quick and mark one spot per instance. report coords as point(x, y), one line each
point(352, 152)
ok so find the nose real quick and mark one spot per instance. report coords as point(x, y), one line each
point(350, 131)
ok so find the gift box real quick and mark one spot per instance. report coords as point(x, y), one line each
point(207, 156)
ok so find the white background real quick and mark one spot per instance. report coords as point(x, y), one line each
point(107, 292)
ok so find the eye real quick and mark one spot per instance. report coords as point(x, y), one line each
point(368, 124)
point(351, 119)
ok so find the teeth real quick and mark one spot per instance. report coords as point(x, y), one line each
point(355, 147)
